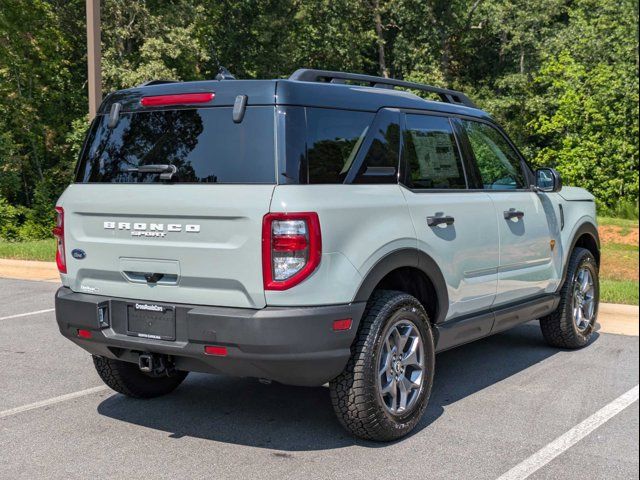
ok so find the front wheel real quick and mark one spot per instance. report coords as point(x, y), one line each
point(573, 322)
point(385, 387)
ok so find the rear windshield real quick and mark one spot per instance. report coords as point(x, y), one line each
point(204, 145)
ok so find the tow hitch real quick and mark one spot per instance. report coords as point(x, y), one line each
point(155, 365)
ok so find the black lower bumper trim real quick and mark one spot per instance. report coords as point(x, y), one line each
point(292, 345)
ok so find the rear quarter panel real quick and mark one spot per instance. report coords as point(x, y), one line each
point(360, 225)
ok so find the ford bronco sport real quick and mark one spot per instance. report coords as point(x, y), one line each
point(329, 227)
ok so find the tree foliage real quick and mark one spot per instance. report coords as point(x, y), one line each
point(561, 75)
point(586, 120)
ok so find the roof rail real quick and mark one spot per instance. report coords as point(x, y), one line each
point(156, 82)
point(310, 75)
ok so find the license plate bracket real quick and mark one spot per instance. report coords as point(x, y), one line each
point(150, 320)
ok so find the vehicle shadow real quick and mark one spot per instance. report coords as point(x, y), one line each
point(279, 417)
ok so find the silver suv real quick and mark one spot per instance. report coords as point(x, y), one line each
point(330, 227)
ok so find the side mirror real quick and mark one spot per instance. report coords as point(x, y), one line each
point(548, 180)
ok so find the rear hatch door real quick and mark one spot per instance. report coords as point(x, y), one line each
point(194, 238)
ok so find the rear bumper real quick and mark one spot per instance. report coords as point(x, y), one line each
point(291, 345)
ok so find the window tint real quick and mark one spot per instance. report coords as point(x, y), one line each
point(333, 140)
point(380, 164)
point(205, 145)
point(431, 153)
point(291, 122)
point(498, 163)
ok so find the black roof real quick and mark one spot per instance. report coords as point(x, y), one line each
point(325, 94)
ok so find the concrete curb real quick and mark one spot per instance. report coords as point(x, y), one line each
point(29, 270)
point(618, 319)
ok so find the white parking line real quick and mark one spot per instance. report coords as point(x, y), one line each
point(52, 401)
point(573, 436)
point(27, 314)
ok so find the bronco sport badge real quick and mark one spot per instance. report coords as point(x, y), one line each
point(151, 229)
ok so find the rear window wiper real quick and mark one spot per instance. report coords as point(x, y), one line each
point(166, 171)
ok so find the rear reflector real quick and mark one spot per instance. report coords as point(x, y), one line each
point(178, 99)
point(344, 324)
point(216, 350)
point(84, 333)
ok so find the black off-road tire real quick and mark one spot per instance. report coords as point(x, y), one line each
point(558, 328)
point(126, 378)
point(354, 393)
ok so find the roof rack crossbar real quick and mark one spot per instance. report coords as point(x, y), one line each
point(446, 95)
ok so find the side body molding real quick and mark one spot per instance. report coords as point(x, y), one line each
point(407, 257)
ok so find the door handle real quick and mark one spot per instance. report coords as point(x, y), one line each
point(435, 221)
point(513, 213)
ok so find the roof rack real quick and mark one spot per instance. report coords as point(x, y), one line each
point(310, 75)
point(156, 82)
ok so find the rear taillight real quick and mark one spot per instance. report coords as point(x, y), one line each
point(58, 233)
point(291, 248)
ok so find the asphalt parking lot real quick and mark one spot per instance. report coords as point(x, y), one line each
point(504, 402)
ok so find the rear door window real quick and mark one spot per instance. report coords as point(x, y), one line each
point(431, 153)
point(204, 145)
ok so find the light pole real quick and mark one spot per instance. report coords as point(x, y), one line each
point(94, 56)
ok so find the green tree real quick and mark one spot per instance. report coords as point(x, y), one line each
point(586, 120)
point(35, 74)
point(150, 40)
point(561, 75)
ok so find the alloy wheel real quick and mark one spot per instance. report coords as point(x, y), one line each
point(584, 302)
point(401, 369)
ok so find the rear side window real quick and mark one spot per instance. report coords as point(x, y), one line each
point(204, 145)
point(333, 140)
point(431, 154)
point(499, 164)
point(381, 161)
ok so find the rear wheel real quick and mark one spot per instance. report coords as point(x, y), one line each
point(573, 322)
point(126, 378)
point(385, 387)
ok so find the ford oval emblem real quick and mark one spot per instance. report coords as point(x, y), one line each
point(78, 254)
